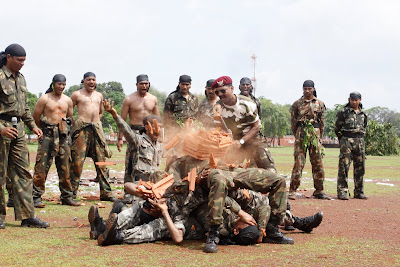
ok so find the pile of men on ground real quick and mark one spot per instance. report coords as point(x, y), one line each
point(220, 180)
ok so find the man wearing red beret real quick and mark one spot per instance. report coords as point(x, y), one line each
point(239, 114)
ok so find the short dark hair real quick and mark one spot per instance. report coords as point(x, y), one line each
point(150, 118)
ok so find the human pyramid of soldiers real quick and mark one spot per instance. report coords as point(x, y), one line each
point(226, 193)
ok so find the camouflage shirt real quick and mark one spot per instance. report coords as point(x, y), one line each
point(350, 121)
point(303, 110)
point(205, 114)
point(178, 107)
point(239, 117)
point(258, 104)
point(147, 157)
point(257, 205)
point(13, 98)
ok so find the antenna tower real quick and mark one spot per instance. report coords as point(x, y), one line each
point(254, 80)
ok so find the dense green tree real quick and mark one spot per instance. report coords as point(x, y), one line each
point(330, 119)
point(384, 115)
point(380, 139)
point(32, 100)
point(275, 119)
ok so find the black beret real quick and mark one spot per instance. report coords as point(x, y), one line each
point(308, 83)
point(185, 79)
point(355, 95)
point(248, 235)
point(209, 82)
point(141, 78)
point(245, 80)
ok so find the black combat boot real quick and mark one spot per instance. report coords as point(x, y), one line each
point(2, 225)
point(97, 224)
point(37, 203)
point(111, 236)
point(307, 224)
point(274, 236)
point(212, 240)
point(69, 202)
point(118, 206)
point(34, 222)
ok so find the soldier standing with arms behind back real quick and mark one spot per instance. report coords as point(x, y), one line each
point(350, 127)
point(14, 154)
point(56, 109)
point(308, 111)
point(88, 137)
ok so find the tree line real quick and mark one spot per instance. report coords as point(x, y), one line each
point(382, 137)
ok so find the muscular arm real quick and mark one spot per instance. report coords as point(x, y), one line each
point(156, 110)
point(74, 98)
point(124, 114)
point(339, 123)
point(255, 128)
point(38, 110)
point(101, 107)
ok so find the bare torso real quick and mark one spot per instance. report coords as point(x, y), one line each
point(53, 107)
point(88, 105)
point(140, 106)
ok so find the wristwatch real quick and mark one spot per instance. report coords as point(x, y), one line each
point(241, 141)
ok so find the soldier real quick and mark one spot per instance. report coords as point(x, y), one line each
point(56, 109)
point(146, 146)
point(246, 89)
point(221, 182)
point(180, 105)
point(14, 152)
point(239, 114)
point(350, 127)
point(88, 137)
point(138, 105)
point(205, 114)
point(307, 113)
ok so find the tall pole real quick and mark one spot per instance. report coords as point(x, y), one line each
point(254, 80)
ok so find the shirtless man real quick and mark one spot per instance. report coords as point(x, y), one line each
point(88, 137)
point(55, 108)
point(138, 105)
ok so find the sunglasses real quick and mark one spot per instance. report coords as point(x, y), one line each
point(222, 91)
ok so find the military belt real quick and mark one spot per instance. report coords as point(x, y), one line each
point(5, 117)
point(353, 135)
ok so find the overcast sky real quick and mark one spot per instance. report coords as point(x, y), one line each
point(341, 45)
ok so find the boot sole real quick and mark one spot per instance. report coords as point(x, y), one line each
point(91, 216)
point(34, 226)
point(106, 237)
point(210, 251)
point(273, 241)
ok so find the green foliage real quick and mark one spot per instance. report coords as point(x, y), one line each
point(275, 118)
point(161, 97)
point(32, 100)
point(384, 115)
point(381, 140)
point(330, 119)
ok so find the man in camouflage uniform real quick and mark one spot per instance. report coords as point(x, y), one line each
point(205, 114)
point(14, 153)
point(308, 110)
point(240, 116)
point(88, 138)
point(147, 158)
point(137, 105)
point(350, 127)
point(56, 109)
point(180, 105)
point(246, 89)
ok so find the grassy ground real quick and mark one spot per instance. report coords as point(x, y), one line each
point(334, 243)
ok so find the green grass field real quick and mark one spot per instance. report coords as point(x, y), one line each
point(67, 241)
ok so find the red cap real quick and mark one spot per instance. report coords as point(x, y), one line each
point(222, 81)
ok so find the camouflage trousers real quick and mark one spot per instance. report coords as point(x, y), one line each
point(318, 173)
point(45, 154)
point(256, 179)
point(14, 163)
point(86, 143)
point(128, 222)
point(351, 149)
point(257, 151)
